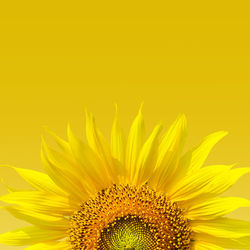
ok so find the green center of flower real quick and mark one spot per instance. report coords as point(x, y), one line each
point(129, 232)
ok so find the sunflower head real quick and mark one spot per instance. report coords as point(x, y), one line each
point(130, 217)
point(136, 192)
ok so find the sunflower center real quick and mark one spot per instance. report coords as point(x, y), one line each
point(129, 217)
point(128, 232)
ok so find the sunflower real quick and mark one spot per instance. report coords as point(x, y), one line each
point(136, 193)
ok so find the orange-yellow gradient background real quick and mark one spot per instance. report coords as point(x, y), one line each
point(56, 58)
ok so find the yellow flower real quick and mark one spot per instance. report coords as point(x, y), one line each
point(136, 193)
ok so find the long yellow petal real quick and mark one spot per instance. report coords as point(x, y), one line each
point(62, 175)
point(169, 153)
point(63, 145)
point(216, 207)
point(38, 180)
point(90, 162)
point(118, 144)
point(69, 164)
point(135, 141)
point(239, 243)
point(221, 183)
point(200, 153)
point(147, 157)
point(196, 184)
point(45, 221)
point(9, 188)
point(100, 146)
point(65, 245)
point(30, 235)
point(222, 227)
point(58, 159)
point(41, 202)
point(217, 185)
point(192, 161)
point(199, 245)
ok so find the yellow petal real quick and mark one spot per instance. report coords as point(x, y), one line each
point(222, 182)
point(100, 146)
point(65, 245)
point(90, 162)
point(193, 160)
point(239, 243)
point(199, 245)
point(67, 160)
point(41, 220)
point(222, 227)
point(30, 235)
point(196, 184)
point(118, 143)
point(216, 207)
point(217, 185)
point(134, 144)
point(64, 146)
point(169, 152)
point(199, 154)
point(10, 189)
point(61, 174)
point(58, 159)
point(38, 180)
point(41, 202)
point(147, 157)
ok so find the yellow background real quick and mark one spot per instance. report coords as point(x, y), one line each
point(56, 58)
